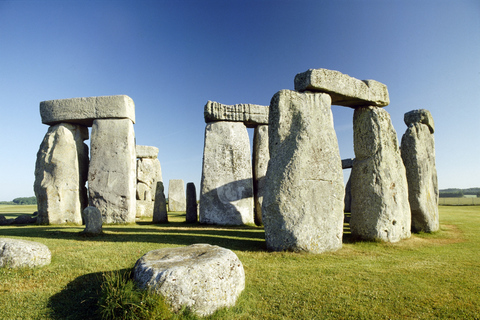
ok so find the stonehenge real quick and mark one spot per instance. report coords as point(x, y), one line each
point(177, 201)
point(149, 172)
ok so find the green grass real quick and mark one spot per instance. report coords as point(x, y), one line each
point(429, 276)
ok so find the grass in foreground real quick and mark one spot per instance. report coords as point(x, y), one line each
point(428, 276)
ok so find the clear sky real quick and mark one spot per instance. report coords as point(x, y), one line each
point(171, 57)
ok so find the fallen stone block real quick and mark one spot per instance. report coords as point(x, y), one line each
point(21, 253)
point(84, 110)
point(250, 114)
point(200, 276)
point(344, 90)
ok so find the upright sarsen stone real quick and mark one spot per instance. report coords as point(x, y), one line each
point(160, 214)
point(226, 196)
point(261, 156)
point(191, 215)
point(61, 173)
point(112, 173)
point(418, 154)
point(380, 208)
point(303, 201)
point(176, 196)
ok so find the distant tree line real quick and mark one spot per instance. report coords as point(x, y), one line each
point(21, 201)
point(459, 193)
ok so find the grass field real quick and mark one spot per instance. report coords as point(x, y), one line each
point(429, 276)
point(459, 201)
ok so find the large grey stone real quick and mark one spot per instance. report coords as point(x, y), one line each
point(93, 221)
point(192, 207)
point(160, 214)
point(303, 201)
point(146, 152)
point(261, 156)
point(380, 208)
point(149, 172)
point(16, 253)
point(61, 173)
point(226, 196)
point(176, 196)
point(344, 90)
point(112, 173)
point(84, 110)
point(420, 116)
point(201, 276)
point(348, 195)
point(418, 154)
point(250, 114)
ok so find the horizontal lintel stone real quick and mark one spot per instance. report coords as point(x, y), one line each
point(250, 114)
point(84, 110)
point(146, 152)
point(420, 116)
point(347, 163)
point(344, 90)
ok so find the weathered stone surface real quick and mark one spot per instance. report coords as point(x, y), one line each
point(146, 152)
point(201, 276)
point(192, 208)
point(84, 110)
point(418, 154)
point(24, 219)
point(112, 173)
point(160, 214)
point(303, 202)
point(226, 196)
point(16, 253)
point(420, 116)
point(261, 156)
point(344, 90)
point(93, 221)
point(348, 195)
point(149, 172)
point(176, 196)
point(380, 208)
point(347, 163)
point(250, 114)
point(61, 173)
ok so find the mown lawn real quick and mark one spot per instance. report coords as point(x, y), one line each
point(429, 276)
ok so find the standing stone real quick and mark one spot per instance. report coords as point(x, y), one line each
point(348, 195)
point(261, 156)
point(303, 202)
point(192, 212)
point(160, 214)
point(176, 196)
point(93, 221)
point(61, 173)
point(226, 196)
point(112, 173)
point(418, 154)
point(149, 172)
point(380, 208)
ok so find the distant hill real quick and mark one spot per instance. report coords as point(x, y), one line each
point(21, 201)
point(458, 193)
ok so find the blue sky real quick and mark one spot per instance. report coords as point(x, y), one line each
point(171, 57)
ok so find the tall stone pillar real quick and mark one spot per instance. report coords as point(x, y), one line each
point(61, 173)
point(112, 173)
point(226, 196)
point(303, 202)
point(177, 201)
point(149, 172)
point(380, 208)
point(192, 207)
point(261, 156)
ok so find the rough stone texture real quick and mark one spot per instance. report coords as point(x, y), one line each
point(192, 208)
point(420, 116)
point(344, 90)
point(418, 154)
point(93, 221)
point(303, 202)
point(146, 152)
point(176, 196)
point(250, 114)
point(380, 208)
point(112, 173)
point(160, 214)
point(348, 195)
point(261, 156)
point(226, 196)
point(61, 173)
point(84, 110)
point(201, 276)
point(16, 253)
point(149, 172)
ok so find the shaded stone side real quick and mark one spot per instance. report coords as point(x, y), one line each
point(60, 175)
point(160, 205)
point(192, 208)
point(112, 173)
point(176, 196)
point(226, 196)
point(261, 156)
point(303, 201)
point(380, 208)
point(250, 114)
point(344, 90)
point(418, 154)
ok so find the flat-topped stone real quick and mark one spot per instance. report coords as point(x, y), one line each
point(84, 110)
point(344, 90)
point(420, 116)
point(146, 152)
point(250, 114)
